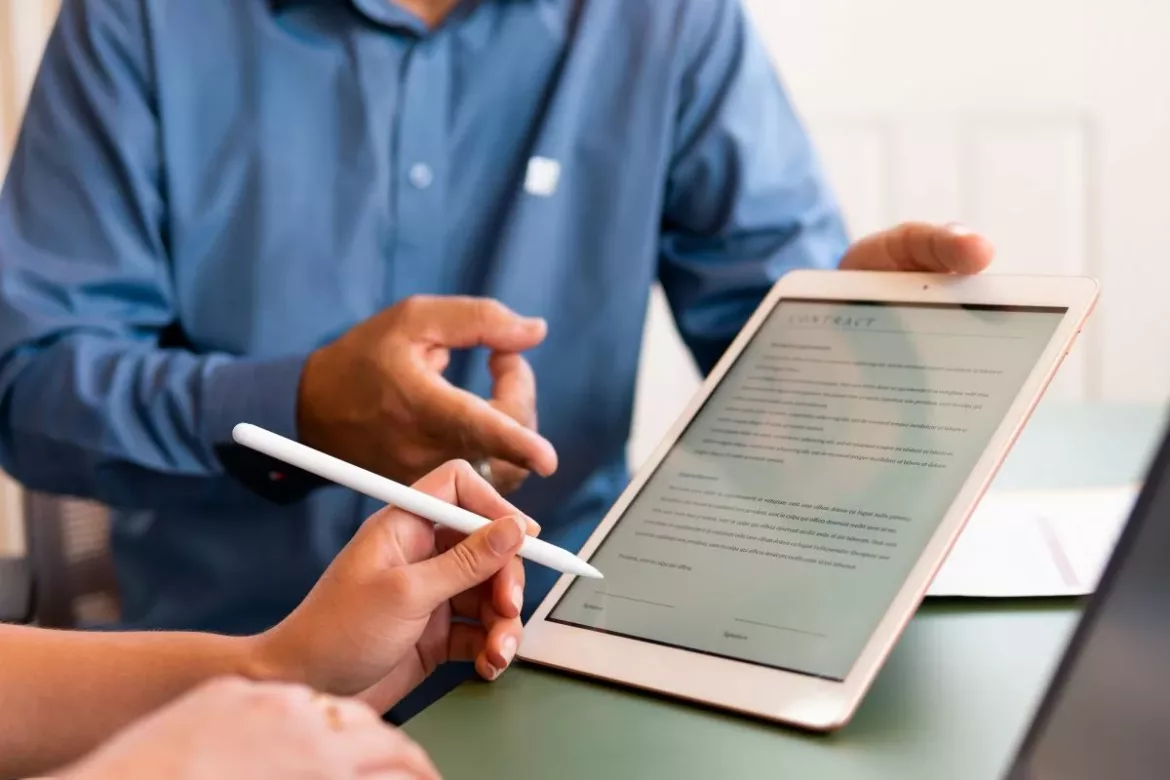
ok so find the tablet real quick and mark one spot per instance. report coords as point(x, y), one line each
point(770, 553)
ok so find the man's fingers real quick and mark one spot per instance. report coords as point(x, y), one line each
point(469, 563)
point(964, 251)
point(506, 477)
point(913, 247)
point(437, 359)
point(462, 322)
point(483, 431)
point(917, 246)
point(514, 394)
point(513, 387)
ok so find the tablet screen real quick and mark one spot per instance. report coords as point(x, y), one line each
point(786, 518)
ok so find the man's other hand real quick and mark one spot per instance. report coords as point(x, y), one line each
point(915, 246)
point(377, 397)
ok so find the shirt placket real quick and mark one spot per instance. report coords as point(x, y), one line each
point(421, 172)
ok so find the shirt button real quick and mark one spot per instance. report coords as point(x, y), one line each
point(421, 175)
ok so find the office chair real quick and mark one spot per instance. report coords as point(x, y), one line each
point(15, 590)
point(73, 582)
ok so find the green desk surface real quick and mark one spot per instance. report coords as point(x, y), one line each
point(951, 703)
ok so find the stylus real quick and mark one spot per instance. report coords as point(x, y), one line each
point(414, 501)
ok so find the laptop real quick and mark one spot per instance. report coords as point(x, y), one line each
point(1106, 714)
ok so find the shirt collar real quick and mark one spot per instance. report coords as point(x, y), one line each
point(389, 14)
point(280, 5)
point(380, 11)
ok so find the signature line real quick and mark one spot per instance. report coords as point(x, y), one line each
point(640, 601)
point(779, 628)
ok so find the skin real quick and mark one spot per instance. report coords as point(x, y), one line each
point(432, 12)
point(385, 376)
point(215, 731)
point(398, 601)
point(917, 246)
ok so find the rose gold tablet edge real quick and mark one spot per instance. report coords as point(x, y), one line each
point(849, 704)
point(867, 681)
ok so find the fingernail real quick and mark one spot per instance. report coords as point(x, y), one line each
point(958, 229)
point(507, 534)
point(548, 464)
point(518, 597)
point(508, 649)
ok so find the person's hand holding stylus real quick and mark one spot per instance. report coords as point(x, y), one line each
point(406, 596)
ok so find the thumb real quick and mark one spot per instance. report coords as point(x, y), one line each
point(918, 246)
point(473, 561)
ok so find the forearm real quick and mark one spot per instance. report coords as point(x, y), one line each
point(64, 692)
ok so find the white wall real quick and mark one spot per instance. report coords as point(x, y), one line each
point(24, 25)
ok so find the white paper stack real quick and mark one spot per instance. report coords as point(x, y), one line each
point(1036, 543)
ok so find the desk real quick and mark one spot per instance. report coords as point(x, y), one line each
point(950, 704)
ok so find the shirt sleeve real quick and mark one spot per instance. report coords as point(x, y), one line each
point(746, 200)
point(90, 403)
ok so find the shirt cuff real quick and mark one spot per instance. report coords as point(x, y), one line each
point(261, 392)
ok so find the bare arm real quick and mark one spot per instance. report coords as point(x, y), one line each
point(395, 603)
point(64, 692)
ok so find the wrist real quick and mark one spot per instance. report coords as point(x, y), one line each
point(310, 427)
point(263, 658)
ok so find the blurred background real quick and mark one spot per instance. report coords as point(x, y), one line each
point(1043, 123)
point(24, 26)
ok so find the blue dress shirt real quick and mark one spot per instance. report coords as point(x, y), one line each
point(204, 191)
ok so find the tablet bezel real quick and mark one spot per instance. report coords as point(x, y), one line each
point(799, 699)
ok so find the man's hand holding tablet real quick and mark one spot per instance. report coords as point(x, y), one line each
point(769, 555)
point(918, 246)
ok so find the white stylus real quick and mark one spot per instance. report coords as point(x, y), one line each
point(413, 501)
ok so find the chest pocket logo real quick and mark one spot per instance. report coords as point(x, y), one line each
point(543, 177)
